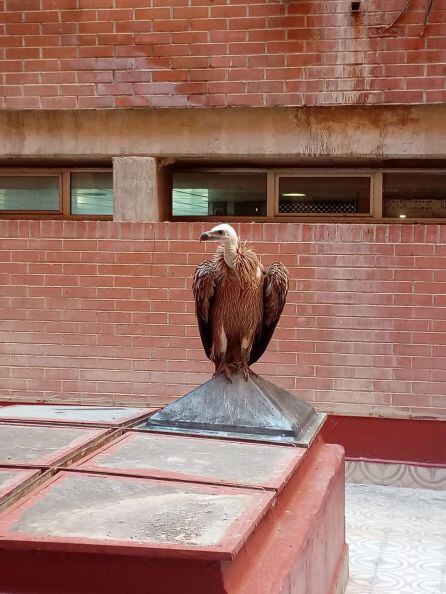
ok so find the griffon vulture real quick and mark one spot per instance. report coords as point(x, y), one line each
point(237, 302)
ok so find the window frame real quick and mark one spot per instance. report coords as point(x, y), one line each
point(64, 175)
point(433, 220)
point(368, 173)
point(193, 218)
point(375, 215)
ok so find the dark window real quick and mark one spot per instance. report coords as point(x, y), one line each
point(324, 195)
point(213, 193)
point(414, 195)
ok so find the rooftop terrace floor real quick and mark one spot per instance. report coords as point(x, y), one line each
point(397, 540)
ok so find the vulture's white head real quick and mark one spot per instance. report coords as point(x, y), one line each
point(223, 233)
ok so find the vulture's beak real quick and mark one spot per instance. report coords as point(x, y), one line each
point(205, 237)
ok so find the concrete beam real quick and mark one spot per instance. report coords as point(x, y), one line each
point(302, 133)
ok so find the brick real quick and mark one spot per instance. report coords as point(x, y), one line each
point(59, 102)
point(133, 26)
point(114, 89)
point(267, 35)
point(12, 41)
point(153, 88)
point(39, 16)
point(11, 90)
point(21, 29)
point(42, 65)
point(229, 11)
point(59, 52)
point(171, 25)
point(95, 27)
point(11, 65)
point(78, 40)
point(265, 86)
point(94, 77)
point(225, 36)
point(190, 12)
point(247, 23)
point(57, 77)
point(246, 74)
point(94, 102)
point(208, 25)
point(23, 5)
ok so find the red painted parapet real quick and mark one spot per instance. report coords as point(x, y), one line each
point(300, 546)
point(412, 441)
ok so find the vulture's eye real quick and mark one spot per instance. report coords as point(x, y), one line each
point(220, 232)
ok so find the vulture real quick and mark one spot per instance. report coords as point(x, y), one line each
point(237, 302)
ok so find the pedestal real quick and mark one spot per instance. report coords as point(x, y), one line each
point(94, 532)
point(149, 512)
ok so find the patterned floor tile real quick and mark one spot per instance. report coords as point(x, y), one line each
point(397, 540)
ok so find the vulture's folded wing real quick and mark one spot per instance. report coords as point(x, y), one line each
point(203, 288)
point(275, 289)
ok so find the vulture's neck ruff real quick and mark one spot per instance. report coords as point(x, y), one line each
point(230, 251)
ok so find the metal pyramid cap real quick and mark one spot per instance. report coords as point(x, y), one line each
point(254, 410)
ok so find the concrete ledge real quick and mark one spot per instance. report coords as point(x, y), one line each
point(230, 133)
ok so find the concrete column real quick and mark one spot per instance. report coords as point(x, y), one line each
point(139, 190)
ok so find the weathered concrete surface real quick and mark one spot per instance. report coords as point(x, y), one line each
point(276, 133)
point(129, 510)
point(198, 459)
point(136, 189)
point(32, 444)
point(12, 477)
point(7, 477)
point(104, 415)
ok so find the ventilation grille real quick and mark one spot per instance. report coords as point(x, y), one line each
point(320, 207)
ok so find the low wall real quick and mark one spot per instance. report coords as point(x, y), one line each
point(102, 312)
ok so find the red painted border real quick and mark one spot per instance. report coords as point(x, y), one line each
point(412, 441)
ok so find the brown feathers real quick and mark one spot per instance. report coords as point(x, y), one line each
point(238, 305)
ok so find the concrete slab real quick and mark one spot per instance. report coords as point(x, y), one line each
point(37, 446)
point(61, 414)
point(195, 459)
point(136, 516)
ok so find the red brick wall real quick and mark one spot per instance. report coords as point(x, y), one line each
point(102, 312)
point(132, 53)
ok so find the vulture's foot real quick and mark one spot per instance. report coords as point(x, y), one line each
point(225, 368)
point(247, 371)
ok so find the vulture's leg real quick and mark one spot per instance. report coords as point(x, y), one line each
point(223, 366)
point(244, 359)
